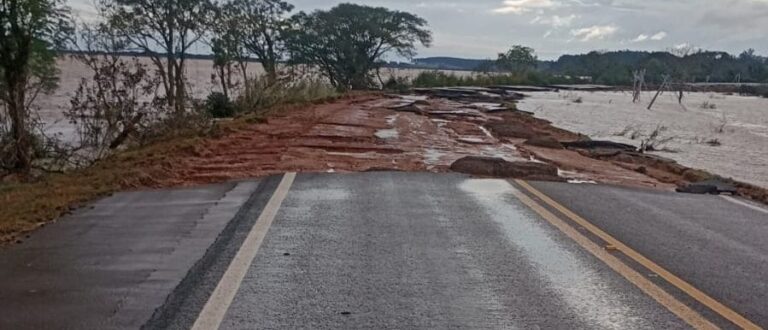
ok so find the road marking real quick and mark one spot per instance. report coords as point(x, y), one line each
point(216, 308)
point(684, 286)
point(742, 203)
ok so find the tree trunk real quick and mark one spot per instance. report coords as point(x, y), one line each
point(19, 129)
point(271, 69)
point(170, 94)
point(180, 87)
point(223, 81)
point(127, 130)
point(243, 66)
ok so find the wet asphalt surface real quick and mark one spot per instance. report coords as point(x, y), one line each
point(380, 250)
point(718, 246)
point(404, 250)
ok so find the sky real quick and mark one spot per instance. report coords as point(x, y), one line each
point(483, 28)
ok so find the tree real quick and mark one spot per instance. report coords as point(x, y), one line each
point(119, 97)
point(518, 59)
point(165, 30)
point(30, 30)
point(226, 55)
point(228, 46)
point(261, 25)
point(347, 43)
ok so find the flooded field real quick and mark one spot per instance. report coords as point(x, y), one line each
point(723, 134)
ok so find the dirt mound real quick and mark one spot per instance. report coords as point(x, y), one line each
point(497, 167)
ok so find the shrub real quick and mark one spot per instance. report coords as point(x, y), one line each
point(218, 105)
point(397, 84)
point(259, 94)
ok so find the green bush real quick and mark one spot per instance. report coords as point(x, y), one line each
point(397, 84)
point(259, 95)
point(218, 105)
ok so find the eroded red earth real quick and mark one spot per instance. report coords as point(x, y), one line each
point(367, 133)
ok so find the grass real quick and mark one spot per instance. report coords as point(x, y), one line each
point(29, 205)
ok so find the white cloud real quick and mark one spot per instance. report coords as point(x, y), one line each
point(641, 38)
point(595, 32)
point(656, 37)
point(522, 6)
point(659, 36)
point(555, 21)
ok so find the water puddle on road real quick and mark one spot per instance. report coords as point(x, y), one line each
point(385, 134)
point(578, 284)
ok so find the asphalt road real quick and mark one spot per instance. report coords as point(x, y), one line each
point(404, 250)
point(110, 265)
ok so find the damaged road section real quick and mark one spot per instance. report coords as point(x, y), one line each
point(396, 133)
point(417, 133)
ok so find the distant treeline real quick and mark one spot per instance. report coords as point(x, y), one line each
point(615, 68)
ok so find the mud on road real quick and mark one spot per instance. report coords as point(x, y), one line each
point(402, 133)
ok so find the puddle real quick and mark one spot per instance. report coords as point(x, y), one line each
point(578, 284)
point(391, 120)
point(414, 97)
point(432, 156)
point(390, 133)
point(578, 181)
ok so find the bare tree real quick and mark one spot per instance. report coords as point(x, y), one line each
point(165, 30)
point(637, 85)
point(664, 85)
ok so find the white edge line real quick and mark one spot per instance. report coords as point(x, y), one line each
point(742, 203)
point(217, 305)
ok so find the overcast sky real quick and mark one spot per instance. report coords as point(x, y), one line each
point(482, 28)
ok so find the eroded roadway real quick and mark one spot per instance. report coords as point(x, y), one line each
point(420, 250)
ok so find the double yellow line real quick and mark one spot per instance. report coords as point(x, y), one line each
point(667, 300)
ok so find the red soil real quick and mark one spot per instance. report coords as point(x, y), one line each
point(363, 133)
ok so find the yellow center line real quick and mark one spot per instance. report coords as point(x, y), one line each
point(684, 286)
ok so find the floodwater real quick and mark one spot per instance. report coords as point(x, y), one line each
point(738, 123)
